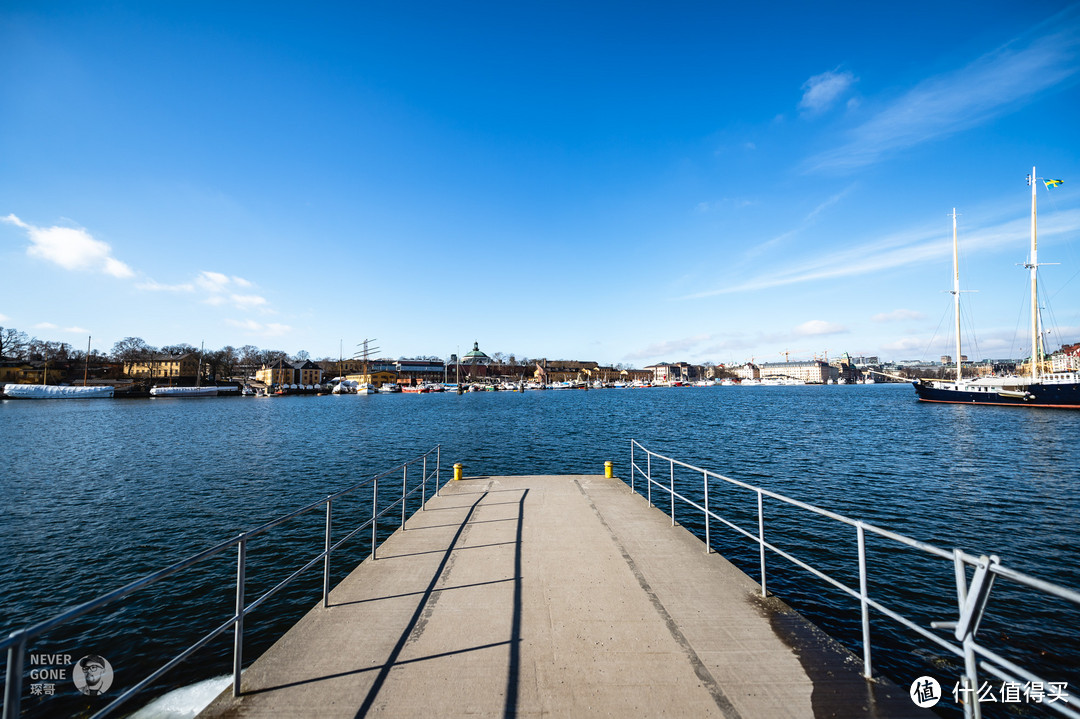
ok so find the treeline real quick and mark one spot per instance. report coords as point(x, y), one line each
point(17, 345)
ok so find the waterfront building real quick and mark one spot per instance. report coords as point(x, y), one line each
point(550, 371)
point(303, 373)
point(475, 356)
point(748, 371)
point(635, 375)
point(663, 372)
point(375, 377)
point(809, 371)
point(19, 372)
point(182, 367)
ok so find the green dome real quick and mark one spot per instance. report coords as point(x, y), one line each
point(475, 356)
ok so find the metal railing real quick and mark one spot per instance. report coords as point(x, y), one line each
point(971, 598)
point(16, 642)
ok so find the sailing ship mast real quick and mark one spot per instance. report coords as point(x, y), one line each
point(956, 294)
point(1034, 266)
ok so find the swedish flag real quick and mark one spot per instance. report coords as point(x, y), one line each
point(1052, 183)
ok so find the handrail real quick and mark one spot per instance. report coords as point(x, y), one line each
point(17, 640)
point(971, 598)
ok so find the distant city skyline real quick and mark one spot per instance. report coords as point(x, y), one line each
point(624, 184)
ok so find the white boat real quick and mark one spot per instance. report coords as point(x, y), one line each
point(390, 387)
point(366, 388)
point(1038, 388)
point(183, 391)
point(49, 391)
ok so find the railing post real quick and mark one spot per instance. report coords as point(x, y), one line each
point(864, 601)
point(238, 627)
point(438, 465)
point(671, 493)
point(374, 515)
point(423, 486)
point(761, 540)
point(708, 542)
point(404, 492)
point(326, 561)
point(633, 470)
point(648, 476)
point(14, 684)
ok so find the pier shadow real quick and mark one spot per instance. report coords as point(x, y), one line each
point(432, 591)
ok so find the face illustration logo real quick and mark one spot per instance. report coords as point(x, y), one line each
point(93, 675)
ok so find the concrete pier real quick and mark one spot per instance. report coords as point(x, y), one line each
point(561, 596)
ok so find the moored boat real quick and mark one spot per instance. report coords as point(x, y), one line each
point(1038, 388)
point(49, 391)
point(183, 391)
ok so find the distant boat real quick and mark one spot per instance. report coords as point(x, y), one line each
point(390, 387)
point(183, 391)
point(49, 391)
point(366, 388)
point(1037, 388)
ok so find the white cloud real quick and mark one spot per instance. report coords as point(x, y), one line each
point(45, 326)
point(939, 106)
point(219, 289)
point(71, 248)
point(270, 329)
point(814, 328)
point(247, 302)
point(4, 318)
point(77, 330)
point(898, 316)
point(821, 91)
point(152, 286)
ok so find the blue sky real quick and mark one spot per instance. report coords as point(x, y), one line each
point(622, 182)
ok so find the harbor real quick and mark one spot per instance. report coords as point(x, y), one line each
point(248, 462)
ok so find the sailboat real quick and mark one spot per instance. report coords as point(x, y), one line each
point(1038, 388)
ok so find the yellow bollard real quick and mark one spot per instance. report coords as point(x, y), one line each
point(457, 471)
point(609, 470)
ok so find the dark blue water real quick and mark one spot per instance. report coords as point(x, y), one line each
point(98, 493)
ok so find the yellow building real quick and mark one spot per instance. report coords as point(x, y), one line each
point(21, 373)
point(377, 378)
point(164, 366)
point(302, 373)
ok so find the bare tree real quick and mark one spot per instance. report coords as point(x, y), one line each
point(13, 343)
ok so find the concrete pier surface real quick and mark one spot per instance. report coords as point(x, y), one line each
point(560, 596)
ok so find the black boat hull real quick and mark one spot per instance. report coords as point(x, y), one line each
point(1059, 395)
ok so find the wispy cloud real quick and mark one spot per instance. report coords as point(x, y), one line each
point(898, 316)
point(806, 222)
point(220, 289)
point(904, 248)
point(4, 318)
point(816, 328)
point(71, 248)
point(669, 348)
point(269, 329)
point(820, 92)
point(940, 106)
point(152, 286)
point(45, 326)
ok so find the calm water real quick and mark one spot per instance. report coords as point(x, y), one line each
point(97, 493)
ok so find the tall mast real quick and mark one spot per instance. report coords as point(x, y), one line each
point(86, 366)
point(956, 293)
point(1034, 266)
